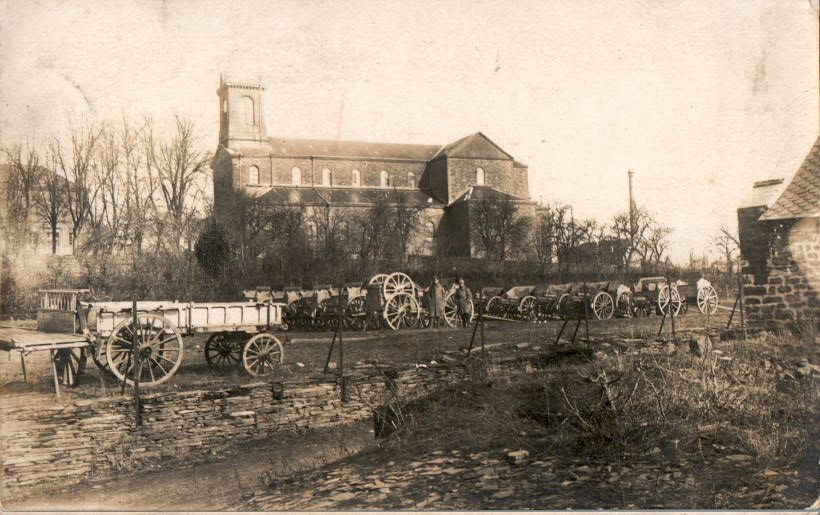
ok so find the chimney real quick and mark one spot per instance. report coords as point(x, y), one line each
point(630, 173)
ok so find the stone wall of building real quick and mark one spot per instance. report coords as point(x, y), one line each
point(498, 173)
point(279, 171)
point(781, 268)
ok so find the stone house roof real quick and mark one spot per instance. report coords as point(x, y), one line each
point(801, 198)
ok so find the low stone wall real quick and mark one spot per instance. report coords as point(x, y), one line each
point(46, 441)
point(781, 268)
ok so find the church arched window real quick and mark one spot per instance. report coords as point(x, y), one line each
point(296, 176)
point(479, 176)
point(248, 111)
point(411, 180)
point(384, 180)
point(357, 178)
point(327, 177)
point(253, 175)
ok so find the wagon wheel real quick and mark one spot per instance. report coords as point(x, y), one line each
point(401, 310)
point(603, 306)
point(663, 300)
point(98, 356)
point(451, 310)
point(70, 365)
point(560, 307)
point(325, 317)
point(262, 354)
point(707, 300)
point(642, 310)
point(495, 307)
point(356, 314)
point(160, 350)
point(222, 351)
point(377, 279)
point(526, 308)
point(624, 303)
point(397, 282)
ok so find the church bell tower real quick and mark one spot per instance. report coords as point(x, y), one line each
point(241, 113)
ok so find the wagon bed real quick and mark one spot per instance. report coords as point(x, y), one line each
point(67, 350)
point(22, 339)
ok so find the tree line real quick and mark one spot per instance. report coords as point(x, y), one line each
point(136, 195)
point(118, 188)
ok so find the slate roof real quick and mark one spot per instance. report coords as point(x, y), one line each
point(290, 147)
point(801, 198)
point(474, 146)
point(484, 192)
point(320, 196)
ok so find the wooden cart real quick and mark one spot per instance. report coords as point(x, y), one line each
point(72, 329)
point(240, 332)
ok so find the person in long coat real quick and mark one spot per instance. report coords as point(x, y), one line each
point(465, 307)
point(437, 296)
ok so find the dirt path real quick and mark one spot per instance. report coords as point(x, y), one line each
point(217, 485)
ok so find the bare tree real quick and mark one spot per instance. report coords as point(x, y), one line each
point(24, 171)
point(177, 168)
point(728, 245)
point(77, 166)
point(657, 241)
point(499, 228)
point(105, 216)
point(50, 202)
point(139, 188)
point(405, 223)
point(544, 235)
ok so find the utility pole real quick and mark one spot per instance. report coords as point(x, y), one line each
point(631, 174)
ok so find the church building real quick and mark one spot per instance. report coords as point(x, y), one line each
point(442, 181)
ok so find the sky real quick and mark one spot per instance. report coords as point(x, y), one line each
point(699, 98)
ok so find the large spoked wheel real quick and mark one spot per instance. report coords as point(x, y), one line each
point(262, 354)
point(623, 304)
point(495, 306)
point(664, 300)
point(707, 300)
point(222, 351)
point(378, 279)
point(99, 357)
point(159, 347)
point(526, 308)
point(401, 310)
point(356, 314)
point(451, 314)
point(70, 365)
point(397, 282)
point(603, 306)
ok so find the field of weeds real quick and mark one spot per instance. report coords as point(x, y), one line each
point(698, 424)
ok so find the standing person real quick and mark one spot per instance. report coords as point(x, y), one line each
point(465, 308)
point(437, 295)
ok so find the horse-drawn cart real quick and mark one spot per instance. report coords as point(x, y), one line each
point(71, 329)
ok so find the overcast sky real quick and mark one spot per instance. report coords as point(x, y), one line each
point(699, 97)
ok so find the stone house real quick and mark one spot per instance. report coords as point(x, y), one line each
point(39, 238)
point(779, 234)
point(442, 181)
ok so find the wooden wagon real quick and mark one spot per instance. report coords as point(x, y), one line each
point(146, 343)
